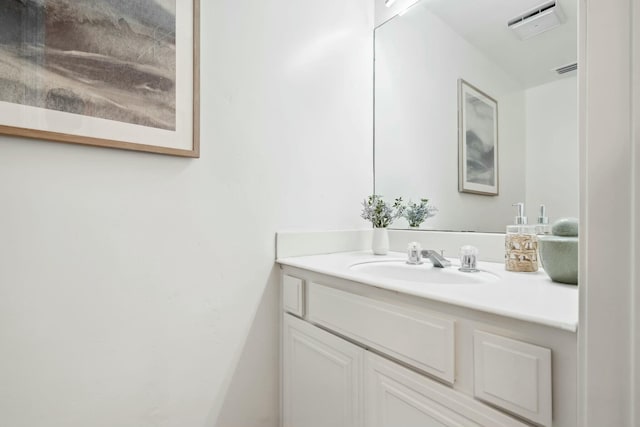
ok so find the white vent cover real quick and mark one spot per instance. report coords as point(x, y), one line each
point(537, 20)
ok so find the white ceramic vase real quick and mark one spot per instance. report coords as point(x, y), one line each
point(380, 243)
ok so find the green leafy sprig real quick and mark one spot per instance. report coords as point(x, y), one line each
point(417, 213)
point(380, 213)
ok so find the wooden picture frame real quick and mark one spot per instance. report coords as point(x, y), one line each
point(478, 169)
point(122, 76)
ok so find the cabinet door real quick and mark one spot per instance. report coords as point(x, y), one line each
point(322, 378)
point(396, 396)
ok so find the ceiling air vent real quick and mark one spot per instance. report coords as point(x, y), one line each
point(537, 20)
point(566, 68)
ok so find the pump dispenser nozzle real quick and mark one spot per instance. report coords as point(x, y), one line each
point(520, 219)
point(543, 218)
point(543, 226)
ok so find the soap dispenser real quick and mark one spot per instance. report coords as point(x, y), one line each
point(521, 244)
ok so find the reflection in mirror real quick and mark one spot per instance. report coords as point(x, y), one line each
point(421, 58)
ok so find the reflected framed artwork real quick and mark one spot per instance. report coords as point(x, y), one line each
point(477, 141)
point(110, 73)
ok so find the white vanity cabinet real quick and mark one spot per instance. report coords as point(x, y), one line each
point(357, 355)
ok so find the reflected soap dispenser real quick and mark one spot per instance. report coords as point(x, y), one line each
point(521, 244)
point(543, 226)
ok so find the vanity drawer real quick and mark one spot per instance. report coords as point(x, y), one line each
point(413, 336)
point(513, 375)
point(398, 397)
point(292, 295)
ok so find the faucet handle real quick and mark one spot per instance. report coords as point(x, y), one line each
point(414, 253)
point(468, 259)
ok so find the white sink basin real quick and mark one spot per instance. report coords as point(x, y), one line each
point(423, 273)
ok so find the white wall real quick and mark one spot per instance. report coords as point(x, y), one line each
point(609, 334)
point(552, 147)
point(418, 62)
point(130, 282)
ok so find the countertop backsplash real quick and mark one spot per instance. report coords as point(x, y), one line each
point(301, 243)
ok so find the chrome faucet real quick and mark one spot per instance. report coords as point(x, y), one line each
point(437, 259)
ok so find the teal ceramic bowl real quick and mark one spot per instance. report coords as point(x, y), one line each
point(559, 256)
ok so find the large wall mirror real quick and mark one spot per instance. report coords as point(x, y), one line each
point(448, 64)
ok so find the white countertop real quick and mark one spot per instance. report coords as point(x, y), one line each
point(531, 297)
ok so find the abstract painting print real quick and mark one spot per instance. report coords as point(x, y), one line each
point(478, 141)
point(119, 73)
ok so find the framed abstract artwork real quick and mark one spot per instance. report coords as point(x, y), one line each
point(111, 73)
point(477, 141)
